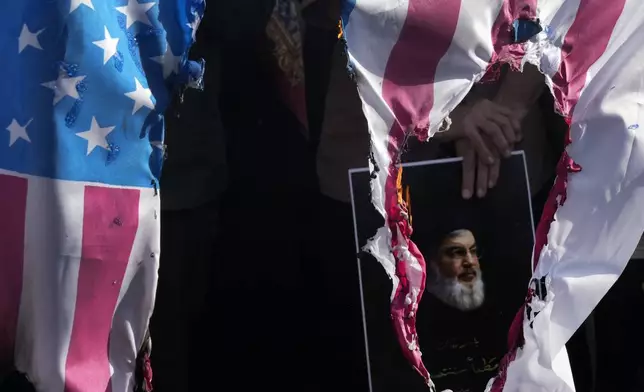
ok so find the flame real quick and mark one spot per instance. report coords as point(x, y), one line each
point(399, 189)
point(408, 201)
point(404, 195)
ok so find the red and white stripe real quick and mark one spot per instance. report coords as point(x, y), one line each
point(79, 264)
point(416, 60)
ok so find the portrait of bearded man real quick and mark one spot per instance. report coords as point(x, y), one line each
point(477, 258)
point(475, 250)
point(454, 273)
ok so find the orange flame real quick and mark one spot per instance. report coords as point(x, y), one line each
point(399, 189)
point(408, 201)
point(404, 195)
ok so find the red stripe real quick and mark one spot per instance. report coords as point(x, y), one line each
point(13, 209)
point(408, 85)
point(584, 44)
point(586, 41)
point(502, 35)
point(408, 89)
point(110, 222)
point(507, 53)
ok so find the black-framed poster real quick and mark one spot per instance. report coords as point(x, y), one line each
point(478, 254)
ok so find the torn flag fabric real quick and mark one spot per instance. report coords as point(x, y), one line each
point(85, 85)
point(415, 61)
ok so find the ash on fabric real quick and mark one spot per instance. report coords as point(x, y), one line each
point(416, 60)
point(85, 85)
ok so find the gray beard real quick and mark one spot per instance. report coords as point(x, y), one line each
point(456, 294)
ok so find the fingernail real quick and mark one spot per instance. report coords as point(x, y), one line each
point(507, 153)
point(467, 194)
point(490, 160)
point(491, 184)
point(481, 192)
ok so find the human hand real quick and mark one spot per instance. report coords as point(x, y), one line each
point(476, 172)
point(496, 123)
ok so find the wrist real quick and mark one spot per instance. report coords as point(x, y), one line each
point(452, 127)
point(520, 90)
point(509, 101)
point(519, 109)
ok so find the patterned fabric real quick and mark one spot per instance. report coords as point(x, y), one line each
point(285, 31)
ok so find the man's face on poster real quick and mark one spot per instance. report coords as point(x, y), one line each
point(455, 274)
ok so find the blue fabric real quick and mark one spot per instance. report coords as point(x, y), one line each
point(347, 8)
point(61, 40)
point(524, 29)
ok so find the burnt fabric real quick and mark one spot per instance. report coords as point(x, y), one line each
point(592, 220)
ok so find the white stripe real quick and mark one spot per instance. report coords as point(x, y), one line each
point(102, 185)
point(51, 264)
point(136, 298)
point(616, 63)
point(556, 17)
point(50, 281)
point(373, 30)
point(598, 228)
point(596, 231)
point(602, 220)
point(467, 58)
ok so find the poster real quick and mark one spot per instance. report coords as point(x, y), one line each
point(478, 255)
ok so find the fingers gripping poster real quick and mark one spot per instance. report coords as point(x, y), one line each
point(415, 63)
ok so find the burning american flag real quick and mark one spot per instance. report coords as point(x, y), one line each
point(415, 61)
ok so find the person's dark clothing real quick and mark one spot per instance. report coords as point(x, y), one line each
point(193, 181)
point(339, 334)
point(262, 317)
point(619, 323)
point(14, 381)
point(188, 240)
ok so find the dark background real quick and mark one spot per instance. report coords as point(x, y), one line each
point(503, 229)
